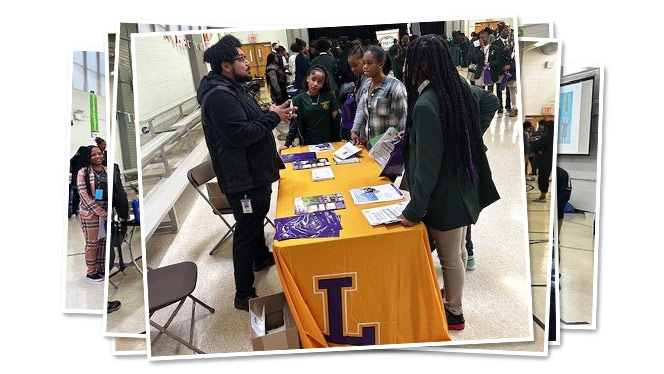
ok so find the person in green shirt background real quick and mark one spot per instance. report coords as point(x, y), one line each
point(318, 111)
point(447, 170)
point(326, 59)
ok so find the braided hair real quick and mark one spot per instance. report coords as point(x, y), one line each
point(85, 164)
point(459, 111)
point(326, 80)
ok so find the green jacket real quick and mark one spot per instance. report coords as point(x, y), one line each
point(330, 64)
point(441, 196)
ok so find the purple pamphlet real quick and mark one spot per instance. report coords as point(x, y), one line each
point(313, 225)
point(395, 164)
point(304, 156)
point(503, 83)
point(487, 77)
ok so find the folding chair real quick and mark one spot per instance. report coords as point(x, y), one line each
point(202, 174)
point(169, 285)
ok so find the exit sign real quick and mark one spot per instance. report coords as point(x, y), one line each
point(547, 109)
point(253, 38)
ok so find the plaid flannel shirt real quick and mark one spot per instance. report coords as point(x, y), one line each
point(387, 107)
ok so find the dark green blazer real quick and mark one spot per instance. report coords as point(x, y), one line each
point(330, 64)
point(441, 196)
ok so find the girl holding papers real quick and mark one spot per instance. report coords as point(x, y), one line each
point(446, 166)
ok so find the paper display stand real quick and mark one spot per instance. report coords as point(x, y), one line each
point(388, 153)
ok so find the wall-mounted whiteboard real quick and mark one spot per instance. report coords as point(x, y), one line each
point(575, 110)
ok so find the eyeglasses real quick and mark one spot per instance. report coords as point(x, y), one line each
point(240, 58)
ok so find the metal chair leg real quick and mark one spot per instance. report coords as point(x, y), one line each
point(162, 330)
point(211, 309)
point(170, 319)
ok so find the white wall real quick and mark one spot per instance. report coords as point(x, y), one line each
point(536, 30)
point(163, 77)
point(538, 84)
point(80, 132)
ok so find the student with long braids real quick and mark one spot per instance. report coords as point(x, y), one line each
point(382, 100)
point(318, 111)
point(91, 183)
point(446, 166)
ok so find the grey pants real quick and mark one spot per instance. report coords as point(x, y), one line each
point(452, 254)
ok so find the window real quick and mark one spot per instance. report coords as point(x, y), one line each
point(88, 73)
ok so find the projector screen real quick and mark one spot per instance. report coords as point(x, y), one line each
point(575, 109)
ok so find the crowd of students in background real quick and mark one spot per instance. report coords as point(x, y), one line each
point(488, 55)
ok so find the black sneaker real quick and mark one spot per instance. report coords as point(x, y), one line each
point(454, 322)
point(269, 261)
point(94, 278)
point(243, 303)
point(112, 306)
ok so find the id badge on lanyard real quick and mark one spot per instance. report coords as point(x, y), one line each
point(99, 194)
point(246, 205)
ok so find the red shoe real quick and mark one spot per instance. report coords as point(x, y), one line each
point(455, 322)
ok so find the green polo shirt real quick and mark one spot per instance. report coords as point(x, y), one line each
point(314, 122)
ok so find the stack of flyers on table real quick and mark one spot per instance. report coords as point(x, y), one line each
point(321, 147)
point(346, 151)
point(308, 164)
point(322, 174)
point(295, 157)
point(324, 224)
point(310, 204)
point(349, 160)
point(388, 153)
point(376, 194)
point(384, 214)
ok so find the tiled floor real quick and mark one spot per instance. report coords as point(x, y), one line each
point(130, 318)
point(80, 295)
point(577, 258)
point(129, 344)
point(497, 295)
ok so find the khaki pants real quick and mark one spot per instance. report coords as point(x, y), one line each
point(450, 246)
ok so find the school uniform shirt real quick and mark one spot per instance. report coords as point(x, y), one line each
point(291, 66)
point(314, 123)
point(387, 107)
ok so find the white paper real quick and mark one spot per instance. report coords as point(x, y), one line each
point(381, 152)
point(349, 160)
point(376, 194)
point(320, 174)
point(101, 233)
point(384, 214)
point(346, 151)
point(258, 323)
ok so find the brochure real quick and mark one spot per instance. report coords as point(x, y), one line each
point(321, 147)
point(376, 194)
point(385, 214)
point(322, 174)
point(346, 151)
point(304, 156)
point(310, 204)
point(388, 153)
point(349, 160)
point(300, 165)
point(312, 225)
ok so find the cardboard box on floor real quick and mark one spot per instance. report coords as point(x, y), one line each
point(277, 314)
point(217, 198)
